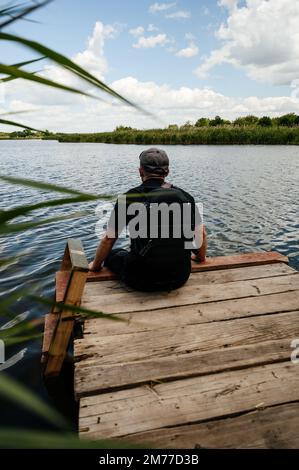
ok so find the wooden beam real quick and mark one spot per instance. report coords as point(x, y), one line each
point(211, 264)
point(70, 282)
point(276, 427)
point(151, 345)
point(65, 323)
point(74, 257)
point(187, 295)
point(51, 319)
point(187, 401)
point(95, 377)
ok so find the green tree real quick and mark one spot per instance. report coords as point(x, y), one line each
point(187, 125)
point(202, 122)
point(265, 121)
point(218, 121)
point(288, 120)
point(246, 121)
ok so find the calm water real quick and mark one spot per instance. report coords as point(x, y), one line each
point(250, 197)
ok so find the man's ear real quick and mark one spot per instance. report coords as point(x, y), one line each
point(141, 172)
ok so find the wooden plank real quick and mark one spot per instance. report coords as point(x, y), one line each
point(185, 340)
point(194, 314)
point(187, 401)
point(92, 378)
point(245, 259)
point(65, 324)
point(51, 319)
point(213, 277)
point(219, 262)
point(138, 301)
point(74, 257)
point(276, 427)
point(50, 326)
point(61, 282)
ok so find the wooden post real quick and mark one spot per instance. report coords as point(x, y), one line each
point(75, 262)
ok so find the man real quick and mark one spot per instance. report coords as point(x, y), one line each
point(154, 262)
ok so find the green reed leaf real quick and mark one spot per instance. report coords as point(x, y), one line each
point(13, 391)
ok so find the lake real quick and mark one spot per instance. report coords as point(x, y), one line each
point(250, 196)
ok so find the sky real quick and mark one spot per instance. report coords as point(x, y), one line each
point(180, 60)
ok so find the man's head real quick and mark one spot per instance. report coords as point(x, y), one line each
point(154, 163)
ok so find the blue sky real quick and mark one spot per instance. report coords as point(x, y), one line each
point(239, 54)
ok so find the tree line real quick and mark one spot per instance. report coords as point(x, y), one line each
point(246, 130)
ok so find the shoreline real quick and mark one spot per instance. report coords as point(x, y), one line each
point(192, 135)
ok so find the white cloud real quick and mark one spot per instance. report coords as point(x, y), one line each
point(67, 112)
point(152, 41)
point(157, 7)
point(230, 4)
point(191, 51)
point(151, 28)
point(181, 14)
point(137, 31)
point(169, 104)
point(93, 57)
point(261, 37)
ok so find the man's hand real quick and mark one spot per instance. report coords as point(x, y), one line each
point(92, 267)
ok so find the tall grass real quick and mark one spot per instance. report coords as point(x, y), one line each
point(222, 135)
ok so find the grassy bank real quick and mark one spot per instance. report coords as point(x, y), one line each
point(224, 135)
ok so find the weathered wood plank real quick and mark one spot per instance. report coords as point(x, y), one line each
point(93, 378)
point(51, 319)
point(194, 314)
point(213, 277)
point(276, 427)
point(60, 339)
point(61, 282)
point(219, 262)
point(137, 301)
point(74, 257)
point(187, 401)
point(245, 259)
point(186, 340)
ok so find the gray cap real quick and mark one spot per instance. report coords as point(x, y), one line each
point(155, 161)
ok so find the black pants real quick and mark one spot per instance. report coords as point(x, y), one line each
point(145, 275)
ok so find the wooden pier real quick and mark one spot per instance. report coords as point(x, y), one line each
point(205, 366)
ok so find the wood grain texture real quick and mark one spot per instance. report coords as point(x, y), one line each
point(62, 334)
point(187, 401)
point(185, 340)
point(51, 319)
point(188, 295)
point(194, 314)
point(276, 427)
point(74, 257)
point(94, 377)
point(206, 366)
point(213, 277)
point(219, 262)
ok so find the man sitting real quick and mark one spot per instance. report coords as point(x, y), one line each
point(161, 247)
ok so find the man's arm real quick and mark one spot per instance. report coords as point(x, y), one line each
point(202, 251)
point(103, 251)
